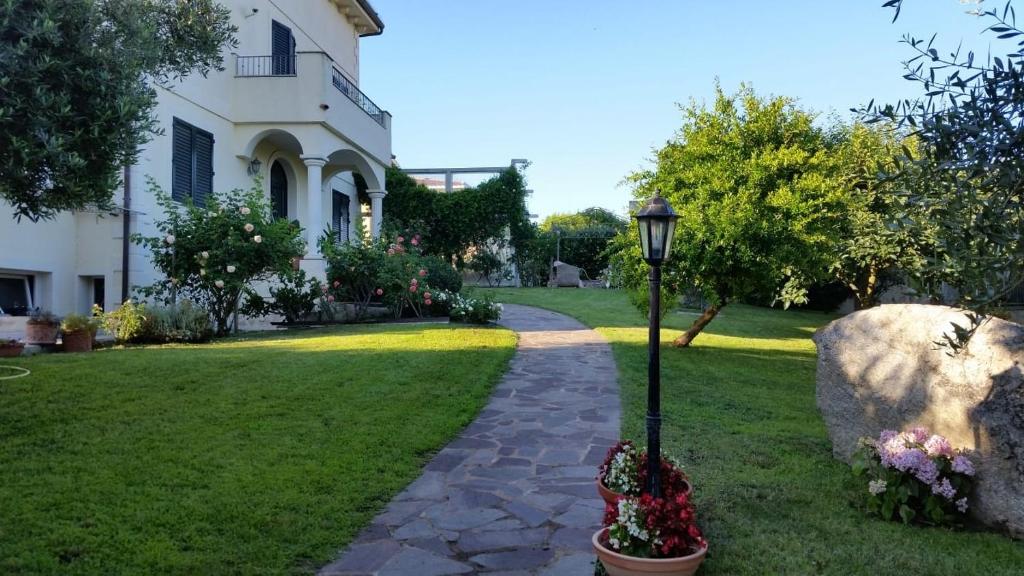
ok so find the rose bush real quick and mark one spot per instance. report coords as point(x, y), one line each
point(212, 255)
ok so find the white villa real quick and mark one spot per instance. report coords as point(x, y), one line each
point(288, 107)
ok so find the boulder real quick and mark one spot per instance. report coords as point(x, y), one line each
point(882, 369)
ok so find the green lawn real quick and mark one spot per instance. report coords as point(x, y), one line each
point(258, 455)
point(739, 411)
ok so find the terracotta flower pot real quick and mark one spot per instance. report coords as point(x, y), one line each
point(78, 341)
point(11, 351)
point(621, 565)
point(41, 333)
point(610, 497)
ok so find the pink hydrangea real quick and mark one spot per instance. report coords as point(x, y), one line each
point(919, 435)
point(938, 446)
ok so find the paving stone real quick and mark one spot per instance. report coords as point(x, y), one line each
point(422, 563)
point(527, 558)
point(362, 558)
point(474, 542)
point(529, 459)
point(572, 565)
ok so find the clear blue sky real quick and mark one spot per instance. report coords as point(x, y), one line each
point(585, 89)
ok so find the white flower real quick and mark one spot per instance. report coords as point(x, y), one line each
point(219, 283)
point(876, 487)
point(231, 269)
point(205, 254)
point(202, 271)
point(249, 227)
point(169, 239)
point(257, 238)
point(245, 210)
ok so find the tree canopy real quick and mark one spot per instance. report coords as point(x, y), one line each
point(76, 90)
point(759, 206)
point(580, 238)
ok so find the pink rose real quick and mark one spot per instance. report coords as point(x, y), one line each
point(412, 288)
point(426, 295)
point(415, 242)
point(330, 298)
point(336, 283)
point(400, 239)
point(323, 289)
point(422, 272)
point(428, 302)
point(391, 251)
point(380, 292)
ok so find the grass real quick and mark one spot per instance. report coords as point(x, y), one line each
point(739, 410)
point(256, 455)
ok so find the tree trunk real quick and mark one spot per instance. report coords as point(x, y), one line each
point(698, 325)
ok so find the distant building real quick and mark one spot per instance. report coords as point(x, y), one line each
point(437, 184)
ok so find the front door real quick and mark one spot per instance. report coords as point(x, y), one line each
point(278, 191)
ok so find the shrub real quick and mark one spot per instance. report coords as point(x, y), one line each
point(474, 310)
point(354, 270)
point(443, 276)
point(294, 297)
point(126, 323)
point(489, 266)
point(915, 477)
point(212, 255)
point(183, 322)
point(403, 281)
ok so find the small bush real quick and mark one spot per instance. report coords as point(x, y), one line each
point(184, 322)
point(79, 323)
point(295, 298)
point(443, 276)
point(125, 324)
point(474, 310)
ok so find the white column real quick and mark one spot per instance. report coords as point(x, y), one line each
point(355, 217)
point(376, 210)
point(314, 203)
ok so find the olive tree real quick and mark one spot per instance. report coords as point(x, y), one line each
point(77, 90)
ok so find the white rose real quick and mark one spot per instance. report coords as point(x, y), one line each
point(257, 238)
point(169, 239)
point(231, 269)
point(205, 254)
point(219, 283)
point(202, 271)
point(249, 227)
point(244, 210)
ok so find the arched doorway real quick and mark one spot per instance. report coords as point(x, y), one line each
point(278, 191)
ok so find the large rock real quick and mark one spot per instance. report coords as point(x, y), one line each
point(881, 368)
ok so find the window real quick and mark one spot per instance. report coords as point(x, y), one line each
point(278, 191)
point(192, 163)
point(15, 295)
point(282, 49)
point(339, 216)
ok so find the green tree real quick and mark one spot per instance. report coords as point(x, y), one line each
point(76, 90)
point(874, 251)
point(585, 236)
point(968, 124)
point(759, 206)
point(213, 255)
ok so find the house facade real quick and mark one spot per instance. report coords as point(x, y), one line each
point(287, 111)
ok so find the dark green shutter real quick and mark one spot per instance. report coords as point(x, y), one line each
point(181, 161)
point(282, 48)
point(203, 145)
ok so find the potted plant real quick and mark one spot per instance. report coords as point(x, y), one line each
point(42, 328)
point(10, 348)
point(645, 535)
point(624, 473)
point(79, 331)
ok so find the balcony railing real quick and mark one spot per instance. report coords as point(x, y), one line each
point(255, 66)
point(346, 87)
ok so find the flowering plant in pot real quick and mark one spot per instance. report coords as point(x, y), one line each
point(647, 535)
point(915, 476)
point(624, 473)
point(79, 331)
point(42, 327)
point(10, 348)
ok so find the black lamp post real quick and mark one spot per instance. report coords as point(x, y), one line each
point(657, 224)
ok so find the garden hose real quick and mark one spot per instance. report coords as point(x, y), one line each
point(21, 372)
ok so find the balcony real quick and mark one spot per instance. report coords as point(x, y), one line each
point(309, 88)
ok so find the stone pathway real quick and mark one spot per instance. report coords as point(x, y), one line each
point(514, 494)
